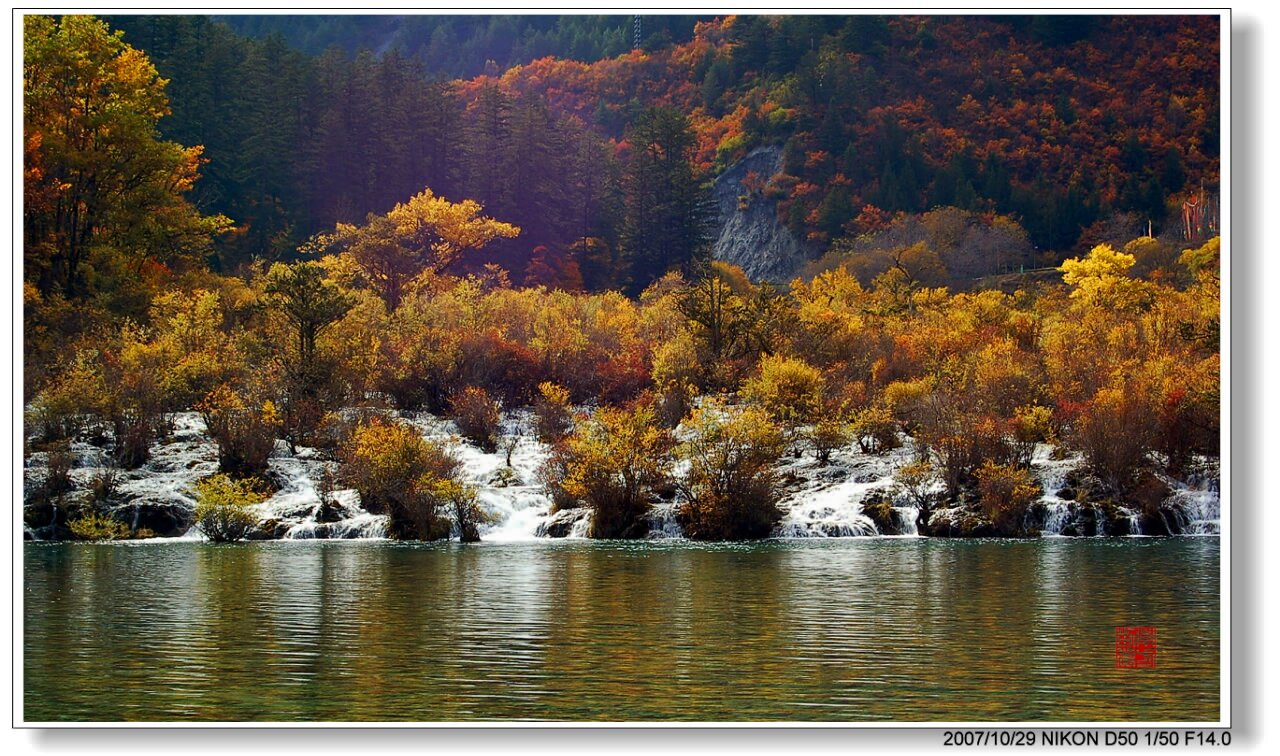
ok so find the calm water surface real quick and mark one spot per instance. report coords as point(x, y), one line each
point(842, 630)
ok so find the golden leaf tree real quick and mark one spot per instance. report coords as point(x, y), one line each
point(108, 193)
point(422, 236)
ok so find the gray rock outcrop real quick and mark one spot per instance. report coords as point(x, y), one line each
point(562, 523)
point(750, 235)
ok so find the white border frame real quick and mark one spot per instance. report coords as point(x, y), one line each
point(14, 440)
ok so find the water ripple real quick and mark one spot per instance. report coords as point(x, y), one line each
point(872, 630)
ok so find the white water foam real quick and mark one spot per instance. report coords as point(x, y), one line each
point(826, 501)
point(820, 500)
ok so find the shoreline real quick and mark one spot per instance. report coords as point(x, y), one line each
point(818, 500)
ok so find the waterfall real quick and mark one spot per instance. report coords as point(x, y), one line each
point(663, 521)
point(164, 483)
point(1052, 475)
point(1058, 514)
point(818, 499)
point(1195, 511)
point(510, 495)
point(581, 528)
point(905, 519)
point(1135, 520)
point(826, 501)
point(365, 525)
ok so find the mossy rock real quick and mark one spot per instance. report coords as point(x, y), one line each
point(1080, 486)
point(267, 530)
point(963, 523)
point(329, 511)
point(971, 525)
point(166, 517)
point(403, 528)
point(504, 477)
point(879, 508)
point(1087, 522)
point(665, 492)
point(1112, 519)
point(41, 513)
point(1147, 493)
point(561, 524)
point(1153, 524)
point(46, 521)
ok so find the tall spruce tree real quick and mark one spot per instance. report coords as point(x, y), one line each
point(669, 213)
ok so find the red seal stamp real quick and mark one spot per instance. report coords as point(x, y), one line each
point(1135, 647)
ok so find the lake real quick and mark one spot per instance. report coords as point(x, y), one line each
point(857, 629)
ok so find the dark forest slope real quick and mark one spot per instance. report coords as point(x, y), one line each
point(1060, 122)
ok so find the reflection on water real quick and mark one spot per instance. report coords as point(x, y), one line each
point(859, 629)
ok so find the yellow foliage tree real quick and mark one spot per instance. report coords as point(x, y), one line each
point(1005, 493)
point(224, 507)
point(553, 417)
point(1101, 279)
point(788, 388)
point(677, 374)
point(113, 190)
point(730, 486)
point(615, 463)
point(413, 481)
point(424, 235)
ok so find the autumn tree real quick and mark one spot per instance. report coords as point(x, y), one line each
point(1005, 494)
point(730, 486)
point(111, 190)
point(677, 373)
point(1101, 279)
point(415, 482)
point(1204, 264)
point(721, 307)
point(243, 427)
point(553, 417)
point(615, 462)
point(1115, 432)
point(713, 306)
point(789, 390)
point(224, 507)
point(915, 481)
point(424, 235)
point(478, 417)
point(907, 269)
point(311, 304)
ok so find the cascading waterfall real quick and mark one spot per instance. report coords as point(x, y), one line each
point(1057, 516)
point(1052, 475)
point(821, 499)
point(663, 521)
point(581, 528)
point(905, 519)
point(830, 500)
point(509, 494)
point(164, 484)
point(1196, 511)
point(1134, 518)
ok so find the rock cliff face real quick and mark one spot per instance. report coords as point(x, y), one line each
point(750, 235)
